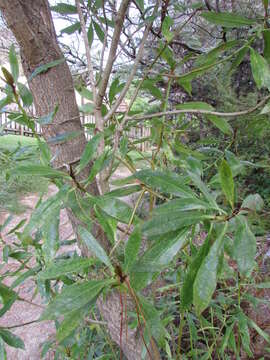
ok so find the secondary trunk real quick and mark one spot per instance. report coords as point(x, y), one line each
point(31, 24)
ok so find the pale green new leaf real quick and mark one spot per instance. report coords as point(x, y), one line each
point(226, 180)
point(14, 64)
point(40, 170)
point(260, 69)
point(25, 95)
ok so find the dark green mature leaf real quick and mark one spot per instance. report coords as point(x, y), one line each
point(227, 183)
point(155, 259)
point(260, 69)
point(40, 170)
point(63, 267)
point(73, 298)
point(43, 68)
point(64, 9)
point(25, 95)
point(165, 182)
point(187, 288)
point(167, 222)
point(94, 246)
point(239, 58)
point(124, 191)
point(72, 28)
point(221, 124)
point(132, 248)
point(244, 246)
point(98, 165)
point(11, 339)
point(8, 297)
point(206, 278)
point(226, 19)
point(3, 353)
point(14, 64)
point(90, 35)
point(266, 51)
point(99, 31)
point(203, 188)
point(89, 152)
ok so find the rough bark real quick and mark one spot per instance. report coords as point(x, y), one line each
point(31, 23)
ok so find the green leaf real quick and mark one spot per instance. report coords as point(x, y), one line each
point(221, 124)
point(90, 35)
point(64, 9)
point(244, 333)
point(99, 32)
point(150, 85)
point(167, 182)
point(63, 267)
point(50, 231)
point(239, 58)
point(8, 297)
point(155, 259)
point(262, 333)
point(124, 191)
point(85, 93)
point(266, 39)
point(89, 152)
point(73, 298)
point(11, 339)
point(72, 28)
point(3, 353)
point(70, 323)
point(265, 109)
point(132, 247)
point(187, 288)
point(40, 170)
point(93, 245)
point(115, 208)
point(25, 95)
point(203, 188)
point(87, 108)
point(47, 119)
point(166, 25)
point(228, 20)
point(167, 222)
point(227, 183)
point(43, 68)
point(244, 246)
point(14, 64)
point(206, 278)
point(98, 165)
point(183, 204)
point(253, 202)
point(260, 69)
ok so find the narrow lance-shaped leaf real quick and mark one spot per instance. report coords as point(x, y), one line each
point(89, 151)
point(226, 19)
point(73, 298)
point(94, 246)
point(227, 183)
point(43, 68)
point(244, 246)
point(187, 288)
point(206, 278)
point(14, 65)
point(260, 69)
point(63, 267)
point(11, 339)
point(132, 247)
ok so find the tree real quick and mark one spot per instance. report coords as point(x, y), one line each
point(130, 265)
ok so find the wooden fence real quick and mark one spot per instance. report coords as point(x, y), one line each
point(135, 134)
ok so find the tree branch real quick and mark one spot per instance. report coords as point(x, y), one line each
point(197, 111)
point(111, 57)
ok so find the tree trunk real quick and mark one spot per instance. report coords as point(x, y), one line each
point(31, 24)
